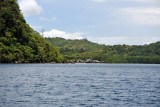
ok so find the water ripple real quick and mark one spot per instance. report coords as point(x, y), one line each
point(79, 85)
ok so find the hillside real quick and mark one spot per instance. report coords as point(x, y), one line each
point(69, 47)
point(84, 49)
point(75, 44)
point(19, 42)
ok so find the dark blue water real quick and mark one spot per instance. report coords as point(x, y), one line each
point(79, 85)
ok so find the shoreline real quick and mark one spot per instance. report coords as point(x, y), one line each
point(79, 63)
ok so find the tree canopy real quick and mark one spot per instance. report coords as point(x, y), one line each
point(19, 42)
point(84, 49)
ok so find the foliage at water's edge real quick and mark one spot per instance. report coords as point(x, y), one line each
point(84, 49)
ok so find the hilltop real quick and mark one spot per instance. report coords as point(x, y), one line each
point(75, 44)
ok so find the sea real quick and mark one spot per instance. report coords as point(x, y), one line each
point(79, 85)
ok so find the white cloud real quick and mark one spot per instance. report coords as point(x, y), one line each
point(53, 19)
point(46, 0)
point(30, 7)
point(66, 35)
point(144, 1)
point(44, 19)
point(99, 0)
point(37, 28)
point(141, 16)
point(125, 40)
point(140, 1)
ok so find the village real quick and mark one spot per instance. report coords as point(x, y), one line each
point(86, 61)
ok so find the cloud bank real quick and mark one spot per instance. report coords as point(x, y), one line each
point(138, 1)
point(99, 0)
point(53, 19)
point(30, 7)
point(141, 16)
point(144, 1)
point(124, 40)
point(63, 34)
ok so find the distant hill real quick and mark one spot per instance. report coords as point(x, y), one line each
point(76, 44)
point(19, 42)
point(84, 49)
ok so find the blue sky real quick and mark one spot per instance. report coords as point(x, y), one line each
point(132, 22)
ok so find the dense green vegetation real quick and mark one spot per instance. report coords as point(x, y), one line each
point(84, 49)
point(75, 44)
point(19, 42)
point(68, 47)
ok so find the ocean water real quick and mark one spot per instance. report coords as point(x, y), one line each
point(79, 85)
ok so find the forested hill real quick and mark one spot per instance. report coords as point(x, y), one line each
point(84, 49)
point(18, 41)
point(76, 44)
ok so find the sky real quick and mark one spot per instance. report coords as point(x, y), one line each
point(110, 22)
